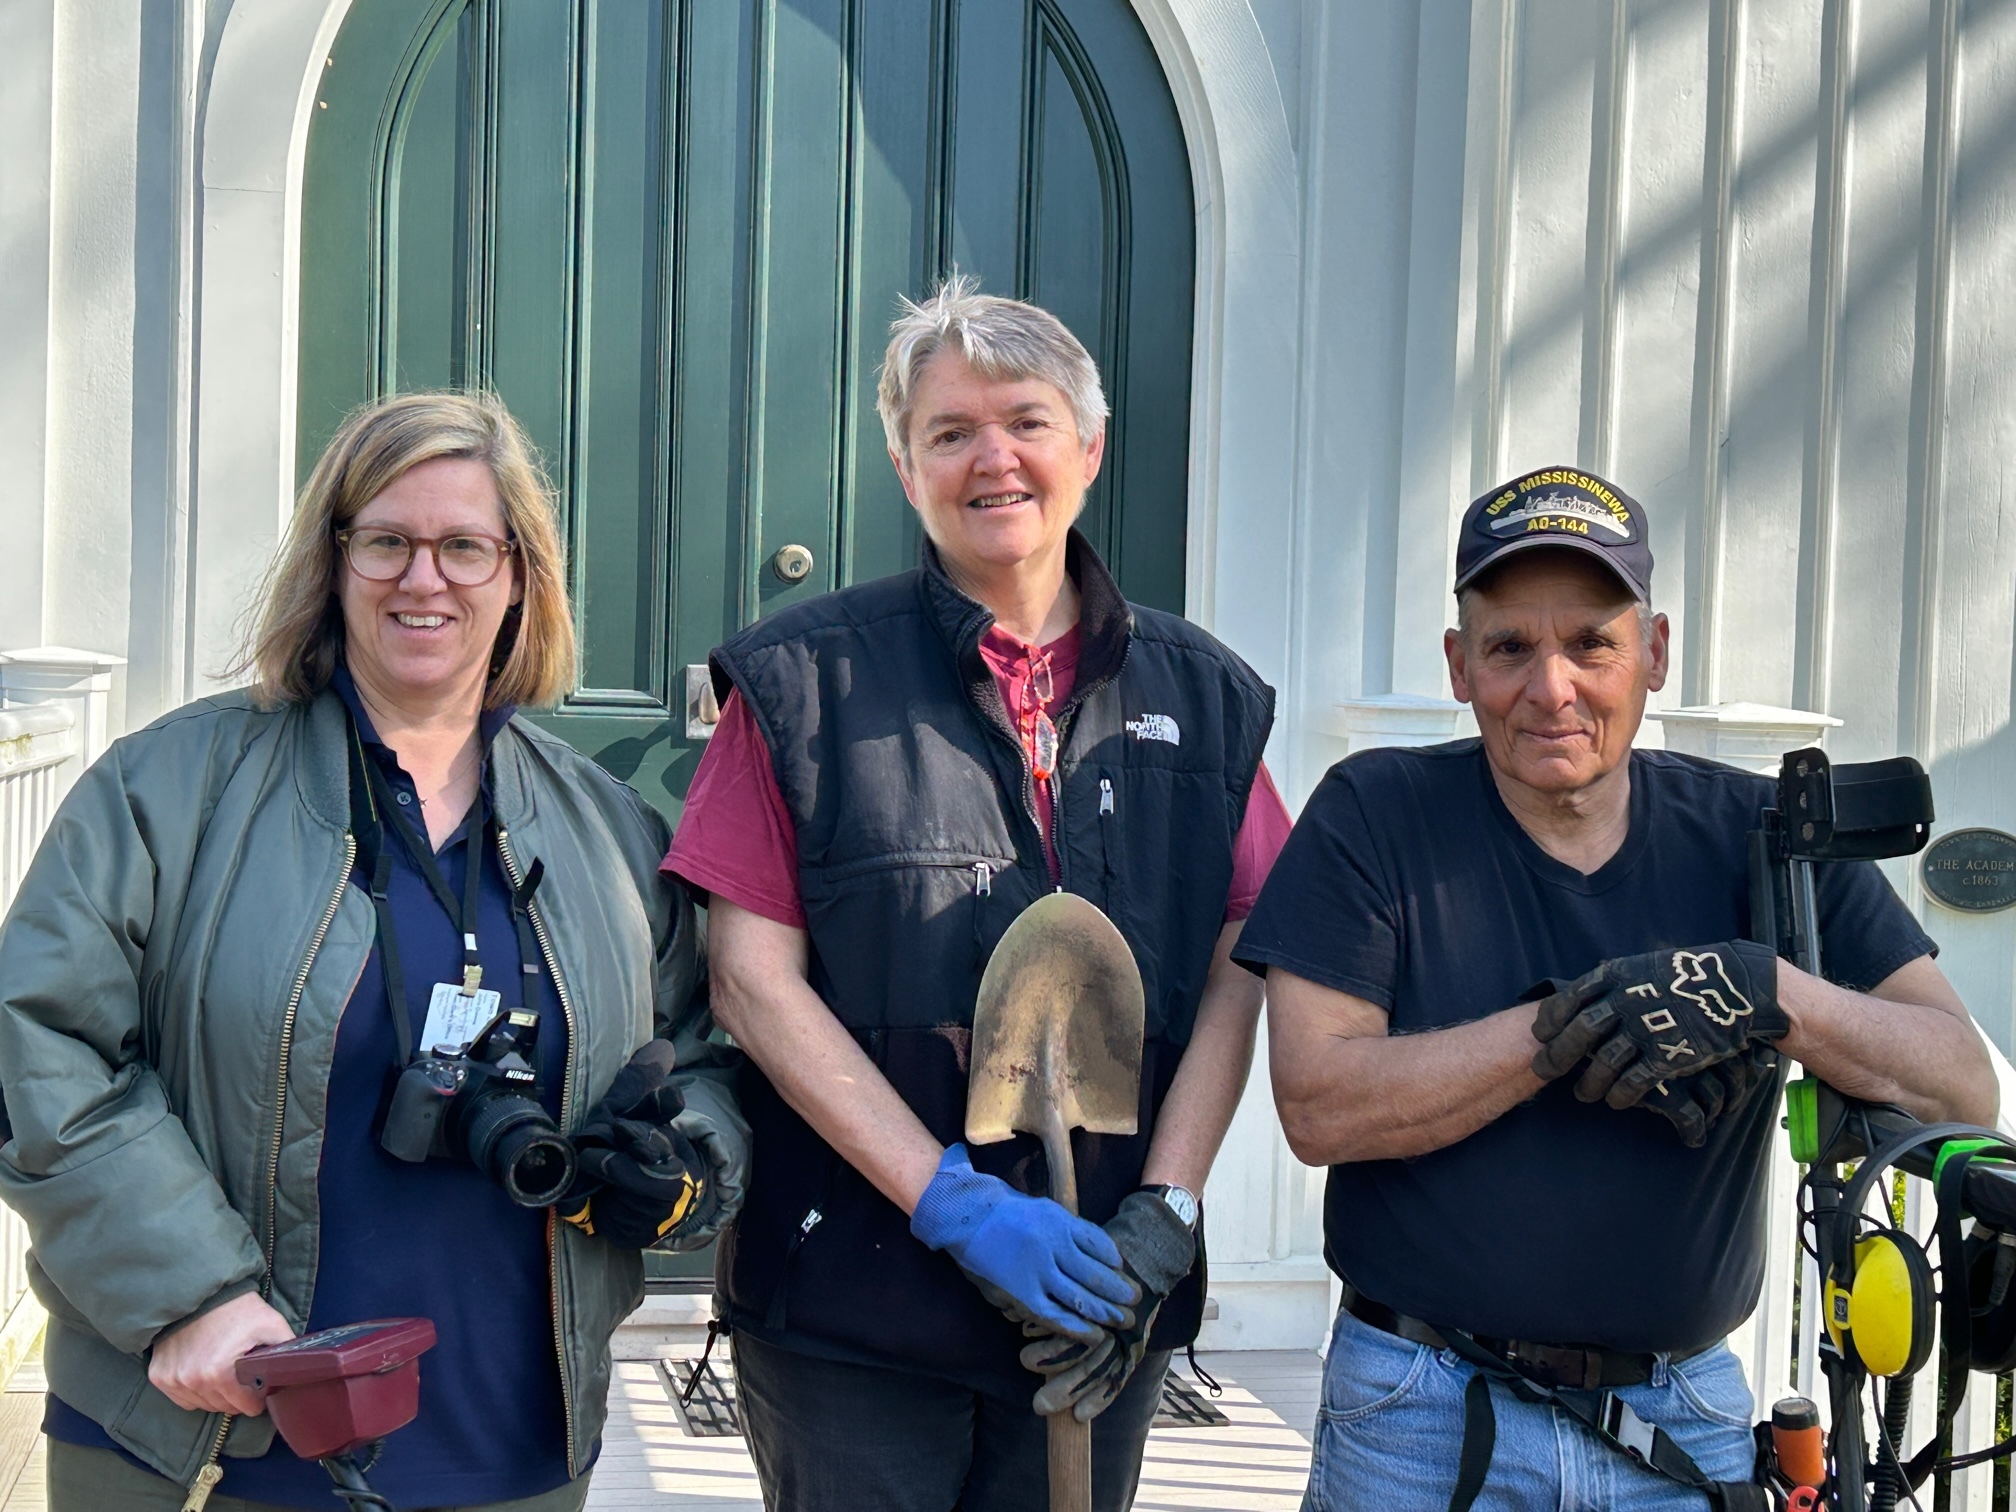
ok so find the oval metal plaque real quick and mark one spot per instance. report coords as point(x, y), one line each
point(1971, 869)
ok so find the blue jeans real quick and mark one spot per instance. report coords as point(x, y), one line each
point(1391, 1428)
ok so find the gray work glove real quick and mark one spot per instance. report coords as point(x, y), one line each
point(1647, 1019)
point(1156, 1250)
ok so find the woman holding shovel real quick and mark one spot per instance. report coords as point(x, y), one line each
point(901, 768)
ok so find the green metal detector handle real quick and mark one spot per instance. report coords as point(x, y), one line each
point(1802, 1119)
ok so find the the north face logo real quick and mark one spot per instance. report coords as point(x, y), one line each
point(1155, 727)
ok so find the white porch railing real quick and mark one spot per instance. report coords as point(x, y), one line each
point(55, 718)
point(36, 747)
point(40, 751)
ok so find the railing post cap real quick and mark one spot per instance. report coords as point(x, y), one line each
point(1753, 715)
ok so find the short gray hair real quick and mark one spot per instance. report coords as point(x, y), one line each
point(1001, 339)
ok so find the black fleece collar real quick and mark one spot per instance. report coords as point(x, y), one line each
point(1104, 620)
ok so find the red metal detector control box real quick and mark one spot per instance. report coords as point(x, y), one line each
point(343, 1388)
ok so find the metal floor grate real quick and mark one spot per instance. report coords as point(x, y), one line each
point(1183, 1407)
point(709, 1411)
point(707, 1408)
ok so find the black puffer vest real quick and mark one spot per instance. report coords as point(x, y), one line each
point(917, 846)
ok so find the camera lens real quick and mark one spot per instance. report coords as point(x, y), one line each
point(514, 1142)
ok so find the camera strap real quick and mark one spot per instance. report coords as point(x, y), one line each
point(382, 813)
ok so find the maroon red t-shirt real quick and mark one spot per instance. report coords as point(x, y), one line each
point(736, 837)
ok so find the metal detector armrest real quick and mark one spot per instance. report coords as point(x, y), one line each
point(1842, 1129)
point(1863, 811)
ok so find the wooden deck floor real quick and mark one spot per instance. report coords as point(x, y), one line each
point(1257, 1464)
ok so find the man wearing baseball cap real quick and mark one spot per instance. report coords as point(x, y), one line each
point(1546, 1202)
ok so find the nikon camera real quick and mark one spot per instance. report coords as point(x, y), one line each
point(483, 1105)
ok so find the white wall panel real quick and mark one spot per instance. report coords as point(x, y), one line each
point(1865, 300)
point(1660, 115)
point(1755, 420)
point(1543, 244)
point(1969, 605)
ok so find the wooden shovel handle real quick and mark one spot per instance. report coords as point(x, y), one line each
point(1070, 1463)
point(1070, 1440)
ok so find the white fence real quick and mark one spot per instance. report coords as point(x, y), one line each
point(37, 745)
point(40, 756)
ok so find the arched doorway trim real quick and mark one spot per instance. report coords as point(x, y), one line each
point(1243, 435)
point(259, 99)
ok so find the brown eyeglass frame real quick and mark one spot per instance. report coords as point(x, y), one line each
point(433, 544)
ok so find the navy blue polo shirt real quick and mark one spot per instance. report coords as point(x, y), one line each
point(438, 1240)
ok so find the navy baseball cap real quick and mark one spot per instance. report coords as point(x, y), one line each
point(1557, 506)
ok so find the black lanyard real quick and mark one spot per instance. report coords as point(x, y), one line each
point(381, 811)
point(475, 836)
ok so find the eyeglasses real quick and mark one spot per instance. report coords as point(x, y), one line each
point(468, 559)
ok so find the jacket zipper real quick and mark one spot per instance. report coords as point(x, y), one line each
point(1005, 731)
point(566, 1118)
point(212, 1472)
point(1066, 718)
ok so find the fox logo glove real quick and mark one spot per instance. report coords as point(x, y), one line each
point(1644, 1019)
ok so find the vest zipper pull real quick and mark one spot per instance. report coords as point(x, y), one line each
point(1105, 795)
point(812, 1221)
point(983, 879)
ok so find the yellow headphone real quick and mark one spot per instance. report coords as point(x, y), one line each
point(1884, 1317)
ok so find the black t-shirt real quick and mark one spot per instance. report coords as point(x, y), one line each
point(1409, 884)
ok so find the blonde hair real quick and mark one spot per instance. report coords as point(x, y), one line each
point(1000, 338)
point(296, 623)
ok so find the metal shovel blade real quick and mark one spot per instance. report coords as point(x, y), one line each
point(1057, 1029)
point(1056, 1047)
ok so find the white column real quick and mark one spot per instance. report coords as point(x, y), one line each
point(80, 681)
point(27, 114)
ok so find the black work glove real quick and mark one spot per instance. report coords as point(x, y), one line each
point(1667, 1014)
point(1157, 1250)
point(639, 1178)
point(1693, 1104)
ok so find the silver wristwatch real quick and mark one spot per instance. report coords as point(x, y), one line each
point(1181, 1202)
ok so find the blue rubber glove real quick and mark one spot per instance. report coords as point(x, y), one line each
point(1057, 1269)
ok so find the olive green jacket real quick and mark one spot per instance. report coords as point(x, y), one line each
point(171, 977)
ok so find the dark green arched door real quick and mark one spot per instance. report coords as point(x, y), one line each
point(671, 233)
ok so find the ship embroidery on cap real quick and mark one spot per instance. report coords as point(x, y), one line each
point(1557, 505)
point(1155, 727)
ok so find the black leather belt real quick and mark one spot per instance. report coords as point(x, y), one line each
point(1561, 1366)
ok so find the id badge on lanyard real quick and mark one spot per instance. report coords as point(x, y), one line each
point(455, 1017)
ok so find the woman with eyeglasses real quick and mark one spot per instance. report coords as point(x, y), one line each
point(900, 769)
point(356, 996)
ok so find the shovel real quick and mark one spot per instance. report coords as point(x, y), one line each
point(1057, 1047)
